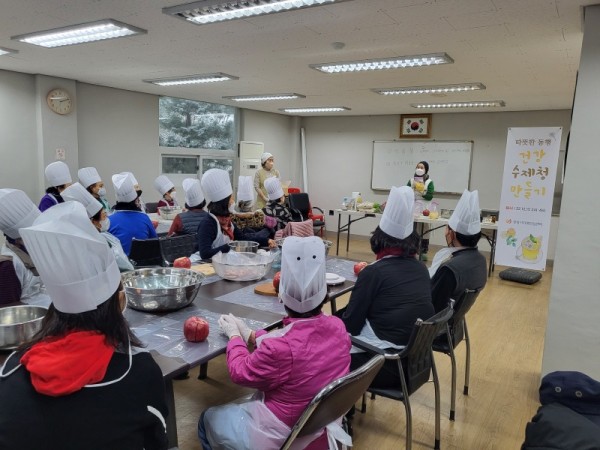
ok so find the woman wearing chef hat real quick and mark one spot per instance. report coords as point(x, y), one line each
point(288, 366)
point(394, 291)
point(267, 161)
point(276, 205)
point(91, 181)
point(128, 221)
point(216, 229)
point(59, 178)
point(97, 214)
point(166, 189)
point(77, 383)
point(187, 222)
point(19, 279)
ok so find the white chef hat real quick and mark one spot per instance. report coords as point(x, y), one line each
point(133, 179)
point(88, 176)
point(123, 184)
point(77, 193)
point(245, 192)
point(216, 185)
point(465, 218)
point(303, 286)
point(57, 173)
point(16, 211)
point(162, 184)
point(265, 156)
point(73, 259)
point(193, 192)
point(274, 189)
point(397, 218)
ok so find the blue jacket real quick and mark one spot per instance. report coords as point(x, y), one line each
point(126, 225)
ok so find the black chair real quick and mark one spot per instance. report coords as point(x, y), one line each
point(146, 253)
point(177, 247)
point(334, 400)
point(415, 363)
point(455, 333)
point(301, 209)
point(151, 207)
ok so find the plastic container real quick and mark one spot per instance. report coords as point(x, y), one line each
point(276, 252)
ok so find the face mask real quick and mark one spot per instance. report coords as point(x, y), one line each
point(105, 224)
point(173, 195)
point(419, 172)
point(232, 209)
point(102, 192)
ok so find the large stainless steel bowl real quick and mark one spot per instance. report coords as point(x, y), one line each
point(161, 289)
point(169, 212)
point(241, 266)
point(18, 324)
point(244, 246)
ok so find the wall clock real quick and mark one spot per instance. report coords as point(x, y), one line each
point(59, 101)
point(415, 125)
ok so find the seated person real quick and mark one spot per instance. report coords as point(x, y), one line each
point(461, 265)
point(59, 178)
point(276, 205)
point(128, 221)
point(90, 179)
point(187, 222)
point(391, 293)
point(245, 194)
point(288, 366)
point(97, 214)
point(19, 280)
point(166, 188)
point(138, 191)
point(77, 383)
point(245, 218)
point(216, 229)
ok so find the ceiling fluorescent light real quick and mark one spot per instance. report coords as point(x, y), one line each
point(7, 51)
point(210, 11)
point(263, 97)
point(319, 109)
point(79, 34)
point(397, 62)
point(481, 104)
point(442, 89)
point(193, 79)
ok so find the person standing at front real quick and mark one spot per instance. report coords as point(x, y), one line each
point(267, 170)
point(423, 189)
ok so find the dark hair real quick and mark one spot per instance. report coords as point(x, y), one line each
point(313, 312)
point(54, 190)
point(220, 208)
point(425, 164)
point(467, 240)
point(380, 240)
point(200, 206)
point(107, 319)
point(127, 206)
point(90, 187)
point(98, 216)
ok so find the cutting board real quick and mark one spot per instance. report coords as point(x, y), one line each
point(205, 269)
point(265, 289)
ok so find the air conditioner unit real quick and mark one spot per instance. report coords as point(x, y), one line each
point(250, 153)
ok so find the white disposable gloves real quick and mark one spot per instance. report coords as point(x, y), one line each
point(234, 326)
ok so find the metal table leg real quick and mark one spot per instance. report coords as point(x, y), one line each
point(171, 419)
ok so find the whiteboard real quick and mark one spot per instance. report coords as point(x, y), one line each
point(449, 163)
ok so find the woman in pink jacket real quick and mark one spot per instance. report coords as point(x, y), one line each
point(289, 366)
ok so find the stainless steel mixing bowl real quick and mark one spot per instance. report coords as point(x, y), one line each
point(244, 246)
point(161, 288)
point(19, 323)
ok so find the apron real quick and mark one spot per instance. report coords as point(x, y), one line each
point(248, 424)
point(33, 291)
point(221, 238)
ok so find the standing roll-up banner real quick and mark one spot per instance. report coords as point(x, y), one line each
point(526, 201)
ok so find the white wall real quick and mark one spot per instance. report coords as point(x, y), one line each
point(340, 152)
point(572, 333)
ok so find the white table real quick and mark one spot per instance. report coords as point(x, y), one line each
point(489, 229)
point(164, 225)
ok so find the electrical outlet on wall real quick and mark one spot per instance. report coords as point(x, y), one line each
point(60, 154)
point(331, 212)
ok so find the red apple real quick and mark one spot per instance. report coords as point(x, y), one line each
point(276, 280)
point(195, 329)
point(425, 212)
point(184, 262)
point(359, 266)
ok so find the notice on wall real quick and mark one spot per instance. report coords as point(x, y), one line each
point(525, 213)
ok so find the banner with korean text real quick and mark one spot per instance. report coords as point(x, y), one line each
point(525, 212)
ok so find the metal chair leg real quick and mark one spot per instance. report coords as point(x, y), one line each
point(453, 385)
point(436, 384)
point(406, 402)
point(468, 360)
point(363, 406)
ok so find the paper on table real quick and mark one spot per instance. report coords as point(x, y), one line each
point(206, 269)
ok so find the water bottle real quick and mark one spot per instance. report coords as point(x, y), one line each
point(276, 265)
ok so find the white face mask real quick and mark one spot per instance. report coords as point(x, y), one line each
point(232, 208)
point(104, 225)
point(102, 192)
point(419, 172)
point(173, 195)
